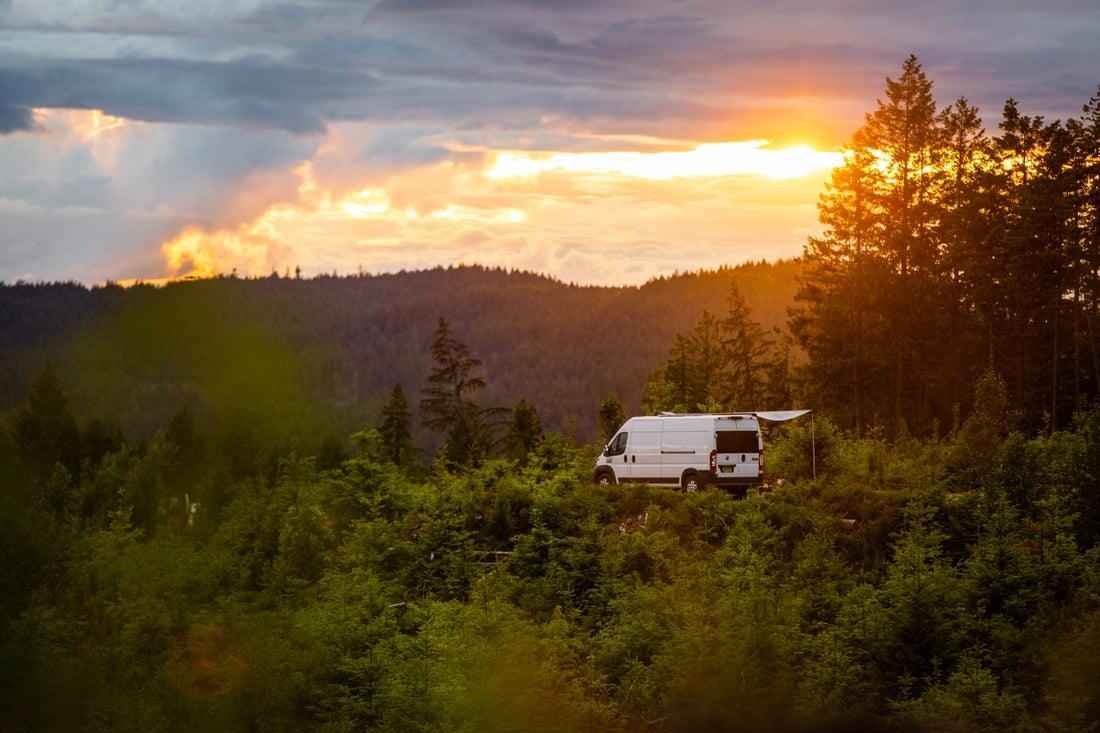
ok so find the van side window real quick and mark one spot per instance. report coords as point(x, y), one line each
point(617, 446)
point(737, 441)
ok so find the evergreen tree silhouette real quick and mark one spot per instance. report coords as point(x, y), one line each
point(397, 440)
point(46, 432)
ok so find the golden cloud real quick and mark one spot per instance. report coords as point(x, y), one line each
point(540, 210)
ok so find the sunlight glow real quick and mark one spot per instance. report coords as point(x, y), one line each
point(266, 242)
point(455, 212)
point(749, 158)
point(498, 206)
point(365, 204)
point(196, 252)
point(96, 122)
point(79, 125)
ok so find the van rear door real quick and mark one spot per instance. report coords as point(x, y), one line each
point(737, 442)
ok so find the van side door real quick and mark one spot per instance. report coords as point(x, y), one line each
point(685, 447)
point(644, 452)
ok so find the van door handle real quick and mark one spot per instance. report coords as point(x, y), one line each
point(632, 459)
point(624, 459)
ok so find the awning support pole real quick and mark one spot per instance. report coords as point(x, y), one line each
point(813, 442)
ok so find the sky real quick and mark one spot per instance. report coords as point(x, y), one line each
point(598, 142)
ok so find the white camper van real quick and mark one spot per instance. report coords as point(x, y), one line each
point(688, 451)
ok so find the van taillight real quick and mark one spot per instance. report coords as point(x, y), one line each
point(714, 461)
point(761, 463)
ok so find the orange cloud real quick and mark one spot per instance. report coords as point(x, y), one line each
point(91, 128)
point(574, 215)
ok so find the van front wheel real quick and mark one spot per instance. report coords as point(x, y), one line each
point(604, 478)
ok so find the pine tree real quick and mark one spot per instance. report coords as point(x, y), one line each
point(396, 431)
point(186, 449)
point(709, 357)
point(610, 415)
point(679, 373)
point(524, 431)
point(873, 310)
point(746, 348)
point(1086, 132)
point(658, 393)
point(780, 379)
point(182, 434)
point(903, 131)
point(838, 320)
point(1037, 197)
point(46, 432)
point(469, 429)
point(972, 258)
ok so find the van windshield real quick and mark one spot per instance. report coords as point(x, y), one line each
point(737, 441)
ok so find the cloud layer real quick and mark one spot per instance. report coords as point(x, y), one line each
point(132, 124)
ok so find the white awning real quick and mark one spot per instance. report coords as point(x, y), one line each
point(782, 415)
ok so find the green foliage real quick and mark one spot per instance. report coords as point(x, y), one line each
point(396, 428)
point(1074, 695)
point(516, 595)
point(801, 448)
point(524, 432)
point(977, 443)
point(45, 431)
point(610, 415)
point(745, 349)
point(447, 404)
point(724, 365)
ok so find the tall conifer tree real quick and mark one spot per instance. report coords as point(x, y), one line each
point(524, 431)
point(746, 349)
point(46, 432)
point(396, 431)
point(448, 405)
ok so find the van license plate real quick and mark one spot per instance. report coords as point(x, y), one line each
point(726, 468)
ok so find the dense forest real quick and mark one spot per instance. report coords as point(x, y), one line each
point(324, 353)
point(183, 583)
point(360, 503)
point(948, 250)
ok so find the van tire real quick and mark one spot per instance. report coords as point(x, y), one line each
point(692, 482)
point(605, 477)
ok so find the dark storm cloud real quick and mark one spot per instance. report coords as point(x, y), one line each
point(297, 66)
point(247, 93)
point(13, 118)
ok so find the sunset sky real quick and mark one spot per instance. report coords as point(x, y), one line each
point(598, 142)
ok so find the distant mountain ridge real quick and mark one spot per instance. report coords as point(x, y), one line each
point(337, 344)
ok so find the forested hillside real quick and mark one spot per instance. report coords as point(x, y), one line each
point(326, 351)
